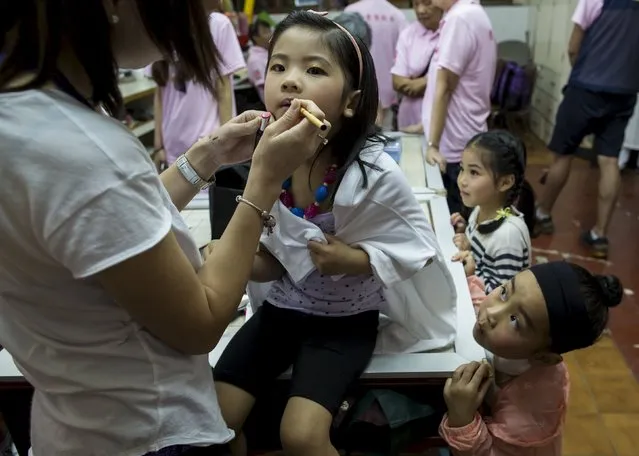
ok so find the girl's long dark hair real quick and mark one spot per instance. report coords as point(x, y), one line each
point(32, 33)
point(358, 130)
point(504, 154)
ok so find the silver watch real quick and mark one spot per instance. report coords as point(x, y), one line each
point(191, 175)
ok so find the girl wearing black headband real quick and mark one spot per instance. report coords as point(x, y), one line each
point(526, 325)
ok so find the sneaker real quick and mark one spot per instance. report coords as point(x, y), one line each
point(543, 226)
point(598, 247)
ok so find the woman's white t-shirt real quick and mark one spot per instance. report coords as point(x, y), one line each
point(79, 194)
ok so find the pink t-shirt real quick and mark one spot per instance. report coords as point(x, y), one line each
point(386, 22)
point(189, 115)
point(415, 48)
point(587, 12)
point(466, 47)
point(256, 65)
point(527, 412)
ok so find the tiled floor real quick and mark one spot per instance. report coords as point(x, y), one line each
point(603, 414)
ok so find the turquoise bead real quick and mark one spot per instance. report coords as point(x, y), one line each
point(321, 193)
point(297, 211)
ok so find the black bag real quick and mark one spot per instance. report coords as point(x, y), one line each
point(229, 183)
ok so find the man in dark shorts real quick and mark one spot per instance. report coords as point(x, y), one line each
point(599, 99)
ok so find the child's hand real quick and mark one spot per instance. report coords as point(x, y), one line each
point(461, 241)
point(336, 258)
point(467, 259)
point(458, 222)
point(464, 392)
point(435, 157)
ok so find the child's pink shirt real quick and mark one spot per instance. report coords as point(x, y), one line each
point(527, 418)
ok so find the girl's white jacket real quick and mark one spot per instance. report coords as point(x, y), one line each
point(384, 219)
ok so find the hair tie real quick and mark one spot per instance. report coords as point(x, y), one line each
point(352, 38)
point(504, 212)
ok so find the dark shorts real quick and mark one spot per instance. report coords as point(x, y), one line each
point(328, 354)
point(583, 112)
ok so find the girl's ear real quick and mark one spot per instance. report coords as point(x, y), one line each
point(352, 101)
point(505, 183)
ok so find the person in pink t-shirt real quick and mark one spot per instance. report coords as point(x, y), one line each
point(184, 110)
point(525, 325)
point(260, 35)
point(386, 22)
point(415, 49)
point(457, 100)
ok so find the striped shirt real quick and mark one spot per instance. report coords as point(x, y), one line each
point(502, 254)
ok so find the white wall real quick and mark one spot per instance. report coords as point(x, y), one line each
point(509, 22)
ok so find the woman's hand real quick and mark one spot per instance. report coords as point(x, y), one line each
point(461, 241)
point(435, 157)
point(234, 141)
point(336, 257)
point(467, 260)
point(458, 222)
point(287, 143)
point(416, 129)
point(465, 391)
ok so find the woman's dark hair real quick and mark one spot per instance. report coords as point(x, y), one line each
point(505, 154)
point(355, 131)
point(32, 33)
point(357, 26)
point(600, 293)
point(254, 28)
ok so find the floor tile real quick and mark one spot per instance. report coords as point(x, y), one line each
point(614, 392)
point(581, 400)
point(602, 359)
point(623, 430)
point(584, 435)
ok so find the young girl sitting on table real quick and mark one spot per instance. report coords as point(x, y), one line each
point(320, 309)
point(491, 180)
point(525, 325)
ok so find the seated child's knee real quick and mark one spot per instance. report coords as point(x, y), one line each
point(301, 436)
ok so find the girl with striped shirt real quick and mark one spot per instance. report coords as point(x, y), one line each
point(490, 182)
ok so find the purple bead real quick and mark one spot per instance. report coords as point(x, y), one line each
point(297, 211)
point(331, 176)
point(311, 211)
point(286, 198)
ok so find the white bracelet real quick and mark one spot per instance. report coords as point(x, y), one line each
point(191, 175)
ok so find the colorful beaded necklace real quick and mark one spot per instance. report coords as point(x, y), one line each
point(286, 197)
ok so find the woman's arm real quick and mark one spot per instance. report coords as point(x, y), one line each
point(224, 94)
point(400, 83)
point(446, 84)
point(149, 285)
point(187, 309)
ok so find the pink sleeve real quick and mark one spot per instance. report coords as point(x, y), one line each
point(228, 46)
point(400, 68)
point(475, 439)
point(587, 12)
point(456, 45)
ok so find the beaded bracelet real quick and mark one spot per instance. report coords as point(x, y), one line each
point(268, 221)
